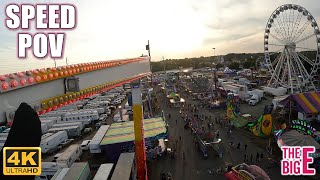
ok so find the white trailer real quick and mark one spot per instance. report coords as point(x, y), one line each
point(48, 123)
point(1, 146)
point(53, 141)
point(3, 139)
point(60, 174)
point(69, 156)
point(100, 110)
point(276, 100)
point(72, 131)
point(82, 115)
point(94, 145)
point(54, 119)
point(44, 128)
point(70, 107)
point(4, 134)
point(60, 113)
point(48, 170)
point(102, 98)
point(79, 171)
point(241, 90)
point(68, 124)
point(46, 135)
point(280, 91)
point(104, 172)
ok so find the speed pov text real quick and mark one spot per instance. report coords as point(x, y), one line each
point(45, 17)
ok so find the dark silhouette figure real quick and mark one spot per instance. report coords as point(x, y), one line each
point(25, 132)
point(257, 157)
point(238, 146)
point(261, 156)
point(245, 147)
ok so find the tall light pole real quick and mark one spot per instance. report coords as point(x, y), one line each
point(148, 49)
point(55, 63)
point(214, 52)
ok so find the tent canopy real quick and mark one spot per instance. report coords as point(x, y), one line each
point(308, 102)
point(124, 131)
point(294, 138)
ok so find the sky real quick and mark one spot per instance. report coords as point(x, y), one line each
point(119, 29)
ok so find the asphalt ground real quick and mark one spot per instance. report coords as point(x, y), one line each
point(196, 167)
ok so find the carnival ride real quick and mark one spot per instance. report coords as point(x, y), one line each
point(262, 127)
point(233, 112)
point(291, 48)
point(246, 172)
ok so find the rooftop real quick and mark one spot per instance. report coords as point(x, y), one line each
point(124, 131)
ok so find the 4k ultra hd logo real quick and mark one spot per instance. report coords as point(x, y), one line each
point(22, 161)
point(296, 160)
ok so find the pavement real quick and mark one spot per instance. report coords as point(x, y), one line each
point(195, 167)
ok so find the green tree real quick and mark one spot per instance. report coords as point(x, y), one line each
point(234, 65)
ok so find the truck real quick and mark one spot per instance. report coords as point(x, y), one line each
point(72, 131)
point(94, 145)
point(257, 92)
point(53, 141)
point(241, 90)
point(69, 156)
point(254, 100)
point(78, 171)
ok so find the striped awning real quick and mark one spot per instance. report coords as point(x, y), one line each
point(308, 102)
point(124, 132)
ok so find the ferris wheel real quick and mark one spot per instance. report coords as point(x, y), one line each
point(291, 48)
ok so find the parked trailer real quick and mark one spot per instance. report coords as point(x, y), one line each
point(100, 110)
point(48, 170)
point(54, 119)
point(53, 141)
point(104, 172)
point(69, 156)
point(44, 128)
point(4, 134)
point(280, 91)
point(60, 174)
point(48, 123)
point(68, 124)
point(78, 171)
point(94, 145)
point(72, 131)
point(83, 115)
point(46, 135)
point(3, 139)
point(55, 114)
point(125, 168)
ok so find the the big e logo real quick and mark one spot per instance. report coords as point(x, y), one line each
point(296, 160)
